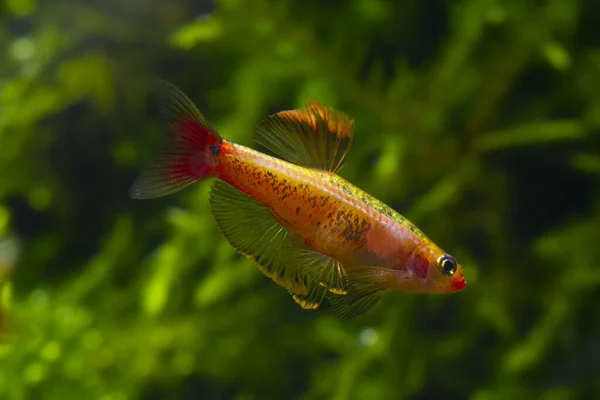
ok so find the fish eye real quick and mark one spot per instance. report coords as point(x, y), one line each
point(447, 265)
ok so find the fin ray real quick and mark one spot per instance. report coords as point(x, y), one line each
point(252, 230)
point(314, 136)
point(324, 274)
point(313, 299)
point(326, 271)
point(185, 157)
point(365, 288)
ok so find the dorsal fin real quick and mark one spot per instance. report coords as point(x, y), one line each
point(314, 136)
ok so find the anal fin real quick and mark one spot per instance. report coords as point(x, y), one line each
point(254, 231)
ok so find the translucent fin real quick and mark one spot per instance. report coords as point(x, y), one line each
point(314, 298)
point(323, 274)
point(315, 136)
point(323, 270)
point(174, 104)
point(365, 287)
point(189, 153)
point(253, 231)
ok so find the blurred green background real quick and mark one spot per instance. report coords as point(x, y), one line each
point(477, 119)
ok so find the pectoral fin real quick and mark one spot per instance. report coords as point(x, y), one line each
point(365, 287)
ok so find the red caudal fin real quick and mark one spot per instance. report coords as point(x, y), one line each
point(189, 153)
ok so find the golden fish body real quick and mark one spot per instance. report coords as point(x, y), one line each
point(305, 227)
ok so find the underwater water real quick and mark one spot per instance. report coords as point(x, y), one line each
point(478, 120)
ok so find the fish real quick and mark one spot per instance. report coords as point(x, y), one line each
point(304, 226)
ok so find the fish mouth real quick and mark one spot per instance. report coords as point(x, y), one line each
point(459, 284)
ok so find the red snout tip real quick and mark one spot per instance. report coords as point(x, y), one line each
point(459, 284)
